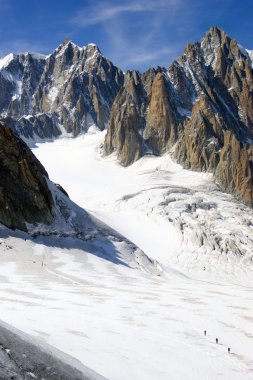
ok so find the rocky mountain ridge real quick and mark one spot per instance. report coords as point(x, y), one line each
point(65, 92)
point(200, 108)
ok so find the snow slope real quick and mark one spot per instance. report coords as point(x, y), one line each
point(176, 216)
point(4, 62)
point(142, 318)
point(23, 357)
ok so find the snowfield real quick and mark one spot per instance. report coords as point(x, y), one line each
point(132, 313)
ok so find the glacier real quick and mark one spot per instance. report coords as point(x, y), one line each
point(183, 267)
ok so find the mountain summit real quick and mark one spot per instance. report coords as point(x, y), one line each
point(200, 108)
point(67, 91)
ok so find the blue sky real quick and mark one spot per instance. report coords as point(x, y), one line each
point(132, 34)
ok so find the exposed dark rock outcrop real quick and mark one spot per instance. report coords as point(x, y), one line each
point(24, 194)
point(160, 116)
point(126, 121)
point(61, 189)
point(235, 169)
point(199, 142)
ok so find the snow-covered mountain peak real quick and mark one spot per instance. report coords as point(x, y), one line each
point(69, 48)
point(5, 61)
point(207, 48)
point(247, 53)
point(8, 59)
point(92, 47)
point(216, 33)
point(92, 54)
point(59, 92)
point(210, 44)
point(250, 53)
point(64, 48)
point(216, 44)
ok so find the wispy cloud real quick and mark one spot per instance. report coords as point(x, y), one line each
point(133, 29)
point(140, 54)
point(100, 12)
point(22, 46)
point(145, 56)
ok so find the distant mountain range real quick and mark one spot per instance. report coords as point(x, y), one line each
point(67, 91)
point(200, 109)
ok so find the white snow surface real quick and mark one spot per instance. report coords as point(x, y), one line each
point(4, 62)
point(123, 315)
point(250, 54)
point(247, 53)
point(52, 94)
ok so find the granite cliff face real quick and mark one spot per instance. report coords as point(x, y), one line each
point(24, 193)
point(67, 91)
point(127, 120)
point(235, 169)
point(200, 109)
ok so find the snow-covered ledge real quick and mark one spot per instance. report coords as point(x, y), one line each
point(24, 357)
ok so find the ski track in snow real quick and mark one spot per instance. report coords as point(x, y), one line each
point(126, 323)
